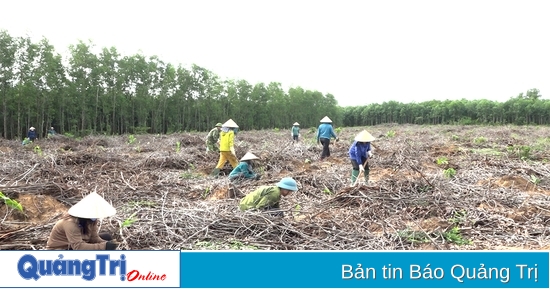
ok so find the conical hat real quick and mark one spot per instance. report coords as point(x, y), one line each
point(93, 206)
point(364, 136)
point(296, 123)
point(326, 120)
point(249, 156)
point(230, 123)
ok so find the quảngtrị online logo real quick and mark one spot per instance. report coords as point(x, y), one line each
point(31, 268)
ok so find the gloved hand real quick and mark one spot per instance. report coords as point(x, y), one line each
point(111, 245)
point(233, 151)
point(361, 168)
point(370, 154)
point(291, 134)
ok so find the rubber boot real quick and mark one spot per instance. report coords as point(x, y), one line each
point(215, 172)
point(354, 175)
point(366, 175)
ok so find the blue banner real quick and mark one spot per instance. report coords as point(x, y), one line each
point(360, 269)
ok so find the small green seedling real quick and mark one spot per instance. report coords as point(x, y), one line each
point(449, 173)
point(129, 221)
point(11, 203)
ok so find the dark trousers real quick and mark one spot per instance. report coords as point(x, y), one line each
point(295, 137)
point(326, 150)
point(355, 165)
point(105, 236)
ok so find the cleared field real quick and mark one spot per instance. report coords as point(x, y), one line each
point(432, 187)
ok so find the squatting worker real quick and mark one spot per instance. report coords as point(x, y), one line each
point(267, 198)
point(78, 228)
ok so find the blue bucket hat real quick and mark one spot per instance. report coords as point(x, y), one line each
point(287, 184)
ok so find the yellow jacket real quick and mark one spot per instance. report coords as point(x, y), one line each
point(226, 141)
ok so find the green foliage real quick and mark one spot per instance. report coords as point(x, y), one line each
point(390, 133)
point(226, 245)
point(449, 173)
point(442, 161)
point(178, 147)
point(312, 130)
point(327, 191)
point(338, 130)
point(141, 129)
point(37, 150)
point(480, 140)
point(455, 137)
point(459, 217)
point(153, 105)
point(206, 192)
point(487, 151)
point(142, 204)
point(11, 203)
point(131, 139)
point(414, 237)
point(129, 221)
point(454, 236)
point(534, 179)
point(523, 151)
point(276, 129)
point(191, 173)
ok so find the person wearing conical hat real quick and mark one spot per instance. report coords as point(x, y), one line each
point(78, 228)
point(31, 134)
point(213, 138)
point(51, 131)
point(295, 131)
point(244, 170)
point(324, 133)
point(267, 198)
point(359, 153)
point(227, 147)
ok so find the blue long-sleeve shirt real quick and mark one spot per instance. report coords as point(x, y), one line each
point(244, 169)
point(325, 130)
point(359, 151)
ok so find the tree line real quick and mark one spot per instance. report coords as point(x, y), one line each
point(523, 109)
point(108, 93)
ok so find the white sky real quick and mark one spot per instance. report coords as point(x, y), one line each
point(361, 51)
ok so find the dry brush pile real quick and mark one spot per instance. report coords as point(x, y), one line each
point(439, 187)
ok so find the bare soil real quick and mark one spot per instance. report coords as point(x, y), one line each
point(498, 198)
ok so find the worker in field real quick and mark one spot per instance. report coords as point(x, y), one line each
point(267, 198)
point(31, 134)
point(359, 154)
point(295, 131)
point(244, 170)
point(324, 133)
point(213, 138)
point(227, 147)
point(51, 132)
point(78, 228)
